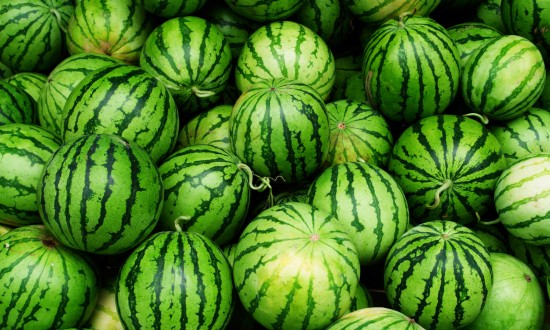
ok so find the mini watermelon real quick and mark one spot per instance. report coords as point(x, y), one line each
point(100, 194)
point(207, 127)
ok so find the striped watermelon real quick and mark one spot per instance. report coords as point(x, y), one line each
point(16, 106)
point(30, 82)
point(357, 133)
point(205, 187)
point(529, 19)
point(207, 127)
point(192, 58)
point(175, 280)
point(105, 315)
point(172, 8)
point(5, 71)
point(100, 194)
point(448, 167)
point(489, 12)
point(24, 151)
point(286, 49)
point(346, 65)
point(544, 99)
point(493, 237)
point(44, 284)
point(280, 127)
point(60, 83)
point(264, 11)
point(362, 299)
point(486, 85)
point(352, 88)
point(33, 33)
point(537, 257)
point(295, 268)
point(375, 318)
point(411, 68)
point(235, 28)
point(127, 101)
point(522, 199)
point(516, 300)
point(5, 229)
point(439, 273)
point(115, 28)
point(368, 203)
point(525, 135)
point(376, 13)
point(470, 36)
point(330, 19)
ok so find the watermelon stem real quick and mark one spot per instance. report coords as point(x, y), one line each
point(58, 19)
point(489, 223)
point(437, 199)
point(178, 220)
point(404, 16)
point(202, 93)
point(482, 118)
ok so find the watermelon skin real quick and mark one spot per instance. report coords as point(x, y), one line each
point(33, 35)
point(525, 135)
point(470, 36)
point(537, 257)
point(31, 82)
point(368, 203)
point(486, 88)
point(24, 151)
point(516, 300)
point(207, 127)
point(447, 150)
point(44, 284)
point(494, 237)
point(192, 58)
point(411, 69)
point(264, 11)
point(286, 49)
point(204, 183)
point(522, 199)
point(172, 8)
point(295, 267)
point(357, 133)
point(127, 101)
point(489, 12)
point(5, 71)
point(105, 315)
point(377, 13)
point(175, 280)
point(100, 194)
point(16, 106)
point(61, 81)
point(280, 127)
point(439, 273)
point(375, 318)
point(115, 28)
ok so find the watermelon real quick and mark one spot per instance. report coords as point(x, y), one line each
point(375, 13)
point(489, 12)
point(206, 189)
point(16, 106)
point(487, 87)
point(5, 71)
point(5, 229)
point(516, 300)
point(493, 237)
point(352, 88)
point(264, 11)
point(448, 166)
point(295, 267)
point(522, 198)
point(45, 285)
point(105, 315)
point(60, 83)
point(525, 135)
point(375, 318)
point(175, 280)
point(191, 56)
point(330, 19)
point(280, 127)
point(31, 82)
point(115, 28)
point(362, 299)
point(33, 33)
point(127, 101)
point(100, 194)
point(357, 133)
point(439, 273)
point(537, 257)
point(368, 203)
point(207, 127)
point(529, 19)
point(172, 8)
point(411, 68)
point(346, 65)
point(470, 36)
point(286, 49)
point(24, 151)
point(235, 28)
point(544, 99)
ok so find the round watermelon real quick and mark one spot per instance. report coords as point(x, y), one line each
point(16, 106)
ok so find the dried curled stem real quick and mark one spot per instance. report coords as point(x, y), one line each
point(437, 199)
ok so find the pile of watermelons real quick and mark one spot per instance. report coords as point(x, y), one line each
point(287, 164)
